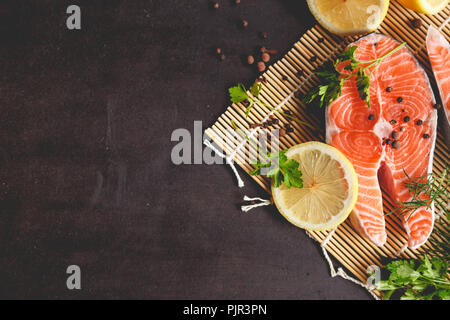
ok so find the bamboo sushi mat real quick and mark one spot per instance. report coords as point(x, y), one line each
point(284, 84)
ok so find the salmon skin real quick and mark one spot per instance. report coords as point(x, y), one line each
point(400, 96)
point(438, 50)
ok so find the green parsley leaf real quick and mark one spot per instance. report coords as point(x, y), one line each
point(281, 170)
point(255, 89)
point(332, 80)
point(444, 294)
point(238, 93)
point(363, 85)
point(427, 281)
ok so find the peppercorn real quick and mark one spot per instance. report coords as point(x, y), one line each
point(419, 122)
point(250, 60)
point(216, 5)
point(371, 116)
point(388, 89)
point(244, 23)
point(396, 144)
point(399, 99)
point(388, 141)
point(437, 106)
point(426, 135)
point(395, 135)
point(375, 44)
point(406, 119)
point(261, 66)
point(218, 50)
point(393, 121)
point(416, 23)
point(265, 57)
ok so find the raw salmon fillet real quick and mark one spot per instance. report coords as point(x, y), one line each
point(439, 53)
point(363, 140)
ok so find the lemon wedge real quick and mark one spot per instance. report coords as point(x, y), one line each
point(349, 17)
point(425, 6)
point(330, 188)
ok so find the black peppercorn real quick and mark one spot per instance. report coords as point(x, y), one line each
point(426, 135)
point(406, 119)
point(399, 99)
point(419, 122)
point(371, 116)
point(396, 144)
point(416, 23)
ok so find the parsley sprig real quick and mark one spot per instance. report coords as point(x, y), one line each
point(332, 80)
point(239, 94)
point(281, 169)
point(276, 167)
point(416, 280)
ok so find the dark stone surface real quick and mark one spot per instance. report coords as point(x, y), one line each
point(85, 170)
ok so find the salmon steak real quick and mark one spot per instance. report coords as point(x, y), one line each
point(439, 54)
point(393, 136)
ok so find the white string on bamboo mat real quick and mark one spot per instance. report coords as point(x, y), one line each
point(340, 272)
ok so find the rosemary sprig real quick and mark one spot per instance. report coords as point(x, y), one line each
point(333, 80)
point(425, 191)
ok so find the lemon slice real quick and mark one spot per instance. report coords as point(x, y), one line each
point(349, 17)
point(425, 6)
point(330, 188)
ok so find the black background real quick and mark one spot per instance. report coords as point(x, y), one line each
point(85, 171)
